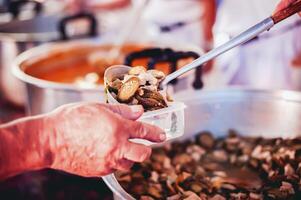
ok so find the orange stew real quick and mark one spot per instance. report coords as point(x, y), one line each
point(57, 69)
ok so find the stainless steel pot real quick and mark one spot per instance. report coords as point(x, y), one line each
point(43, 96)
point(251, 112)
point(16, 36)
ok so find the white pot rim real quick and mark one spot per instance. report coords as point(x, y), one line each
point(46, 48)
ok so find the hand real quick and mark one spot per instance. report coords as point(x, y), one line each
point(297, 60)
point(91, 139)
point(284, 4)
point(112, 5)
point(207, 68)
point(75, 6)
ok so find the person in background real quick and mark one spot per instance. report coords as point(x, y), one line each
point(111, 14)
point(183, 22)
point(87, 139)
point(264, 62)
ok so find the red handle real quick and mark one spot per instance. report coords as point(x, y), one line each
point(287, 12)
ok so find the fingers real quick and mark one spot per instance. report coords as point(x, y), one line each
point(280, 6)
point(128, 112)
point(146, 131)
point(208, 66)
point(137, 152)
point(284, 4)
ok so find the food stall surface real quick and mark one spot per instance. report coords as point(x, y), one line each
point(47, 184)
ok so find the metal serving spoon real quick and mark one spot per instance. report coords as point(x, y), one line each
point(244, 37)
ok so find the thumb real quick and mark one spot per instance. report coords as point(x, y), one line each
point(128, 112)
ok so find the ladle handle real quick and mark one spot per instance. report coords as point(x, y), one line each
point(287, 12)
point(236, 41)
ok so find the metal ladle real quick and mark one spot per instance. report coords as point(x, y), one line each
point(244, 37)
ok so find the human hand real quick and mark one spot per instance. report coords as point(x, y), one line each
point(92, 139)
point(284, 4)
point(74, 6)
point(207, 68)
point(297, 60)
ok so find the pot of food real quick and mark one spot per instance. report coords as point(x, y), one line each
point(60, 73)
point(48, 22)
point(259, 160)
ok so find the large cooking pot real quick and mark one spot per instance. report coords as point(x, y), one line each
point(43, 96)
point(19, 34)
point(252, 113)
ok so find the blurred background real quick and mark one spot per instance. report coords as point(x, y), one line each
point(69, 43)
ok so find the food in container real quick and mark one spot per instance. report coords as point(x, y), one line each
point(258, 114)
point(139, 86)
point(50, 71)
point(234, 167)
point(87, 67)
point(136, 85)
point(81, 66)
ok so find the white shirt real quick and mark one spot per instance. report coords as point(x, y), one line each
point(264, 63)
point(235, 16)
point(167, 13)
point(172, 11)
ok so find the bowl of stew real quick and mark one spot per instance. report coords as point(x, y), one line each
point(58, 73)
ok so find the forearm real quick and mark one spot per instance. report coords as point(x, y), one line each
point(24, 146)
point(208, 20)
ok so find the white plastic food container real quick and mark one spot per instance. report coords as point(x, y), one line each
point(170, 119)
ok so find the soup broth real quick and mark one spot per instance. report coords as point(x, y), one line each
point(76, 67)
